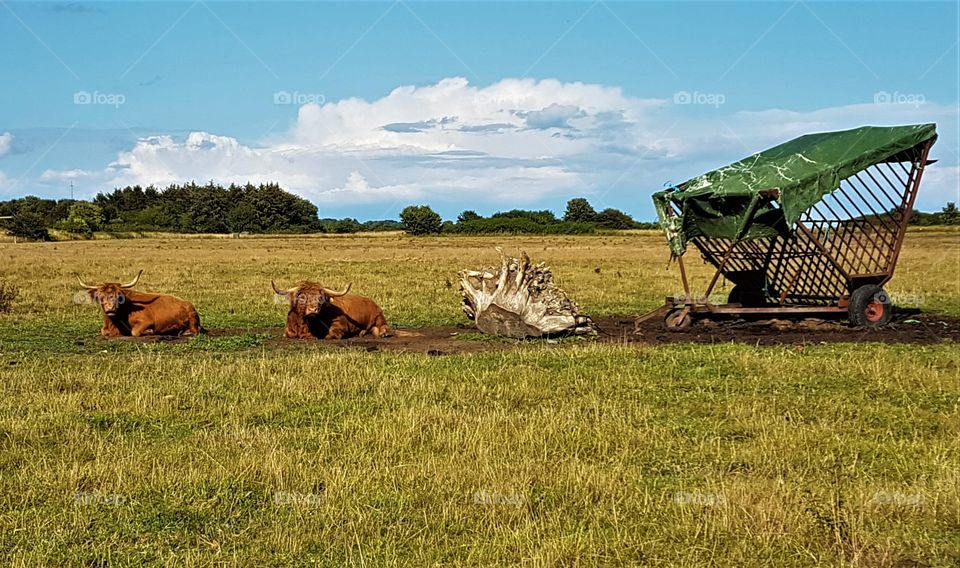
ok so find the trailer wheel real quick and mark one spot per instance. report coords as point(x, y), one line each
point(870, 306)
point(676, 319)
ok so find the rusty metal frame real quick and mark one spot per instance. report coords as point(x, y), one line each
point(852, 236)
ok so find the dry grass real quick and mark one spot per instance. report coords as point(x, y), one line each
point(727, 455)
point(412, 278)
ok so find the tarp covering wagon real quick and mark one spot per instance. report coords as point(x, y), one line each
point(814, 225)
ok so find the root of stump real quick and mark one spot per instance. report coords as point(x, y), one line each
point(520, 300)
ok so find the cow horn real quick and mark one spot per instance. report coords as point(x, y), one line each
point(133, 282)
point(84, 284)
point(282, 292)
point(334, 293)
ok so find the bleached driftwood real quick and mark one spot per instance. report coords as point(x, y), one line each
point(520, 300)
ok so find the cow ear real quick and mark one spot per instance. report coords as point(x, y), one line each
point(92, 293)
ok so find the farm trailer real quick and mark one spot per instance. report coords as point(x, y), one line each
point(813, 226)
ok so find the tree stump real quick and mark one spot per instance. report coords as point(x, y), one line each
point(520, 300)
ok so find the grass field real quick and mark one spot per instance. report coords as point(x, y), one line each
point(224, 452)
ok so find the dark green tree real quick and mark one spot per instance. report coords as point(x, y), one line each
point(949, 215)
point(83, 218)
point(579, 210)
point(614, 219)
point(28, 225)
point(420, 220)
point(242, 218)
point(467, 216)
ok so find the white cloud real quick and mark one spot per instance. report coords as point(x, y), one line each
point(6, 139)
point(65, 175)
point(941, 184)
point(513, 143)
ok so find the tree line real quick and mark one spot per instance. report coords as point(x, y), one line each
point(188, 208)
point(267, 208)
point(579, 218)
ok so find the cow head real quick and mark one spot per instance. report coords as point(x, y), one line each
point(308, 298)
point(110, 295)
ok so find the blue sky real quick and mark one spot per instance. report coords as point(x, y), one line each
point(364, 108)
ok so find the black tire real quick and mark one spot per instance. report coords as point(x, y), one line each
point(673, 322)
point(870, 306)
point(746, 296)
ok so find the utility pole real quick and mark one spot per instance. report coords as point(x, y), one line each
point(71, 191)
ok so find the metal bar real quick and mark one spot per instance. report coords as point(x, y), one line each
point(716, 275)
point(918, 168)
point(823, 250)
point(866, 202)
point(872, 192)
point(735, 309)
point(683, 278)
point(896, 204)
point(853, 235)
point(866, 253)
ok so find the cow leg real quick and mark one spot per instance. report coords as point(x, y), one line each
point(140, 329)
point(193, 324)
point(337, 331)
point(110, 331)
point(380, 328)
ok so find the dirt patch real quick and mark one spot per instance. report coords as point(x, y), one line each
point(906, 327)
point(909, 328)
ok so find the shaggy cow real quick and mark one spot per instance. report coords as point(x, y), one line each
point(322, 313)
point(126, 312)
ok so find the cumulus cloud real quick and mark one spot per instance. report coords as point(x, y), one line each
point(66, 175)
point(554, 116)
point(6, 140)
point(512, 143)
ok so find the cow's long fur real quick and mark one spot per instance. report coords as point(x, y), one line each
point(130, 313)
point(314, 314)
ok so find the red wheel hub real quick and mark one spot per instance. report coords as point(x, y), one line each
point(874, 311)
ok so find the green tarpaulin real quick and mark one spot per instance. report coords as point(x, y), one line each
point(736, 201)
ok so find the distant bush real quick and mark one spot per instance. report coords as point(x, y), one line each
point(949, 215)
point(544, 217)
point(517, 226)
point(83, 219)
point(614, 219)
point(8, 295)
point(420, 220)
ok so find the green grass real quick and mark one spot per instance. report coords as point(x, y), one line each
point(691, 455)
